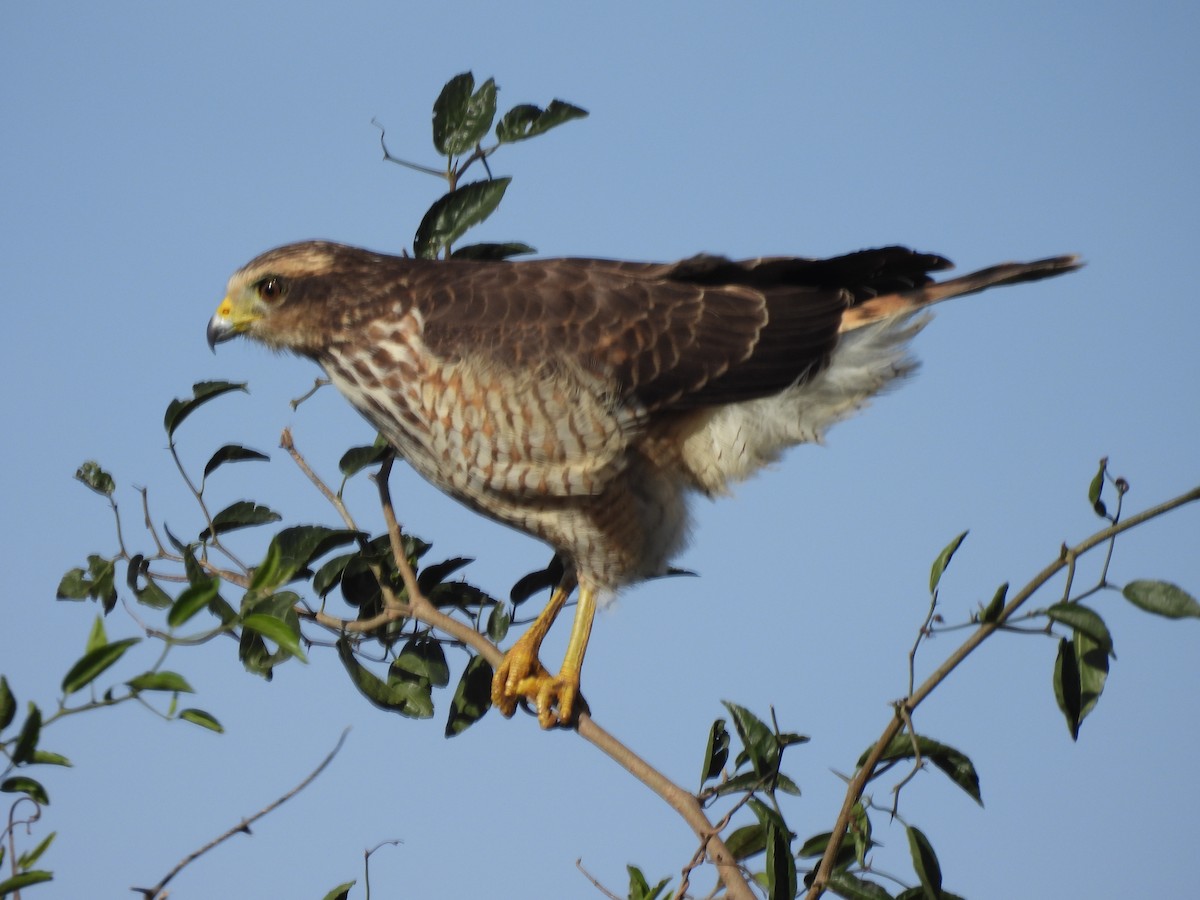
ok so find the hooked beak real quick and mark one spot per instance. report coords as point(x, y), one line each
point(221, 326)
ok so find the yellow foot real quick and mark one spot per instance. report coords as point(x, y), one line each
point(522, 677)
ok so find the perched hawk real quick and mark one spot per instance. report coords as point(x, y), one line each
point(582, 400)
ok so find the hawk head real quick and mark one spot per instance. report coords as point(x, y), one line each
point(285, 297)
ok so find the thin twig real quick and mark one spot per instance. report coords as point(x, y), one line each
point(595, 881)
point(243, 827)
point(866, 771)
point(285, 441)
point(318, 383)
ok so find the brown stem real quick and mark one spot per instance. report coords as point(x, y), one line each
point(867, 770)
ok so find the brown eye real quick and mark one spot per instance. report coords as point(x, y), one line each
point(271, 289)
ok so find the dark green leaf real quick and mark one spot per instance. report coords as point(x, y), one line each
point(408, 698)
point(29, 857)
point(747, 841)
point(22, 784)
point(294, 548)
point(1162, 598)
point(243, 514)
point(27, 739)
point(757, 740)
point(452, 214)
point(476, 120)
point(160, 681)
point(424, 659)
point(329, 575)
point(93, 663)
point(640, 889)
point(1092, 659)
point(852, 887)
point(341, 892)
point(96, 478)
point(716, 753)
point(1095, 488)
point(232, 453)
point(191, 600)
point(992, 611)
point(953, 762)
point(1068, 688)
point(535, 582)
point(8, 704)
point(202, 392)
point(472, 698)
point(23, 880)
point(943, 560)
point(781, 865)
point(450, 109)
point(925, 863)
point(201, 718)
point(74, 586)
point(435, 574)
point(459, 594)
point(1085, 620)
point(492, 251)
point(152, 595)
point(497, 624)
point(526, 120)
point(356, 459)
point(860, 833)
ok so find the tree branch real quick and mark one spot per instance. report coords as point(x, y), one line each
point(157, 892)
point(866, 771)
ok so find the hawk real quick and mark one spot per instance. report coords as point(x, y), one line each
point(583, 401)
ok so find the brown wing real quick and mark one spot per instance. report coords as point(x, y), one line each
point(702, 332)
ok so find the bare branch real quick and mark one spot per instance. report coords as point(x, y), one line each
point(243, 827)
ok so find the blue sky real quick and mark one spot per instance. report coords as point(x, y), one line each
point(150, 149)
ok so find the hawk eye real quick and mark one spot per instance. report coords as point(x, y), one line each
point(271, 289)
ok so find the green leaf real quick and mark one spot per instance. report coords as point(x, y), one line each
point(758, 743)
point(73, 586)
point(1095, 488)
point(29, 857)
point(852, 887)
point(193, 598)
point(497, 624)
point(925, 863)
point(96, 478)
point(526, 120)
point(493, 252)
point(232, 453)
point(452, 214)
point(1092, 659)
point(408, 698)
point(747, 841)
point(1083, 619)
point(1068, 688)
point(450, 109)
point(46, 758)
point(160, 681)
point(23, 880)
point(640, 889)
point(243, 514)
point(422, 658)
point(201, 718)
point(8, 704)
point(97, 582)
point(27, 739)
point(341, 892)
point(859, 830)
point(433, 575)
point(202, 392)
point(953, 762)
point(93, 663)
point(97, 637)
point(995, 606)
point(294, 548)
point(467, 132)
point(1162, 598)
point(716, 753)
point(943, 560)
point(356, 459)
point(21, 784)
point(472, 697)
point(781, 865)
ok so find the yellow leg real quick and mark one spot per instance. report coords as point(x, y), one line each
point(521, 674)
